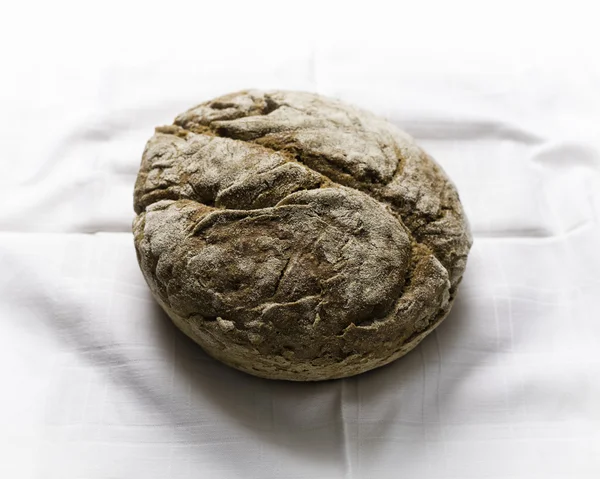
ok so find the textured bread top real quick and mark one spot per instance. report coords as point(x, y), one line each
point(295, 236)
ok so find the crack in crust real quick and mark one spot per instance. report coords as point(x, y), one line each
point(317, 239)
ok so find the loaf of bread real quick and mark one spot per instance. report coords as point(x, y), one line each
point(296, 237)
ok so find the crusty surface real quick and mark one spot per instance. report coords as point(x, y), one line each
point(296, 237)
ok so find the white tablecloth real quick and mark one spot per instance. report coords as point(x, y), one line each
point(97, 383)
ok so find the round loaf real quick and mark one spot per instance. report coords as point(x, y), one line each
point(296, 237)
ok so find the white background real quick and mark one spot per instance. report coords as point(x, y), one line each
point(98, 384)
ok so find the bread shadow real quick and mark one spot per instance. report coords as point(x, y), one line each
point(267, 415)
point(333, 425)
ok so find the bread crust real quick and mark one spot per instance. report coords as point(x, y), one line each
point(296, 237)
